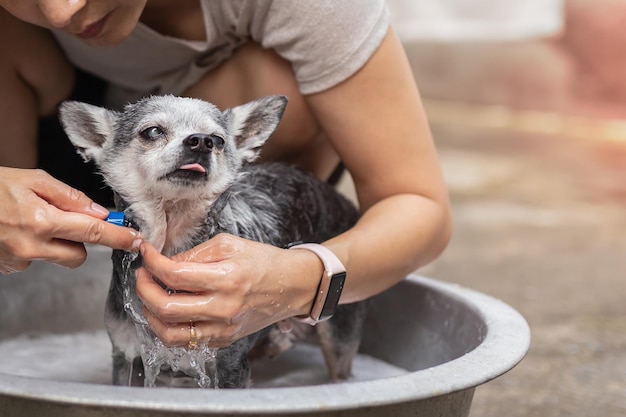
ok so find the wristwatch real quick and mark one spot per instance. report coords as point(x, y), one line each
point(330, 287)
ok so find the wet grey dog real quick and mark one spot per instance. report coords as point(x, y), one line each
point(181, 170)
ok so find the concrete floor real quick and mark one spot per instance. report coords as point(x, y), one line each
point(539, 223)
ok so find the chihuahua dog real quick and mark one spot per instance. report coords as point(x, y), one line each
point(182, 171)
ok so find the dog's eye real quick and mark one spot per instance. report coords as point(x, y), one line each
point(151, 133)
point(218, 141)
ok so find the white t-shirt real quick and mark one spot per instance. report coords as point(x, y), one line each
point(326, 42)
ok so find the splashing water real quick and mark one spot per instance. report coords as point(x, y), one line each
point(198, 364)
point(132, 303)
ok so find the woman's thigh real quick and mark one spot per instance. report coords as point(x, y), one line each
point(34, 77)
point(253, 72)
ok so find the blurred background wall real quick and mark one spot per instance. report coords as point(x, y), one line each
point(551, 56)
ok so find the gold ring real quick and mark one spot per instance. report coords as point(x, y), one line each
point(193, 337)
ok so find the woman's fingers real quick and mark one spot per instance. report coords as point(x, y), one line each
point(7, 268)
point(185, 276)
point(179, 334)
point(225, 286)
point(42, 218)
point(64, 253)
point(173, 306)
point(168, 305)
point(57, 238)
point(77, 227)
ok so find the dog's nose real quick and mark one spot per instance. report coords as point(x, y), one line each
point(199, 142)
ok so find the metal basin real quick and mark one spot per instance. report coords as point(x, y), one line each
point(447, 340)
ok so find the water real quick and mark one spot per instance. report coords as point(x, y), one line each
point(77, 357)
point(132, 303)
point(86, 357)
point(198, 364)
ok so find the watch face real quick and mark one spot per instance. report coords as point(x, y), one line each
point(334, 292)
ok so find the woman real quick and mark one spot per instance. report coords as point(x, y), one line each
point(352, 99)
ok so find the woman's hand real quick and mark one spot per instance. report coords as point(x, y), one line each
point(42, 218)
point(232, 287)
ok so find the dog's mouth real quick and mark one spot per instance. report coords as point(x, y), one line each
point(190, 172)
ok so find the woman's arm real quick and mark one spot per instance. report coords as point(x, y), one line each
point(376, 121)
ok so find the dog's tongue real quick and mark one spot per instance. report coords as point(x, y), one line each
point(193, 167)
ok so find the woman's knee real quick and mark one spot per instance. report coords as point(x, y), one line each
point(253, 72)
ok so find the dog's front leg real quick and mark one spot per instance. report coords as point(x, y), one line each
point(127, 372)
point(127, 364)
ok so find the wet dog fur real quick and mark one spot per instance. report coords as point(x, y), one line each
point(182, 171)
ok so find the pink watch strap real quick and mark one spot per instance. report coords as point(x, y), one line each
point(332, 267)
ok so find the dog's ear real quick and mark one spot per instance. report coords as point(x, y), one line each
point(88, 127)
point(251, 124)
